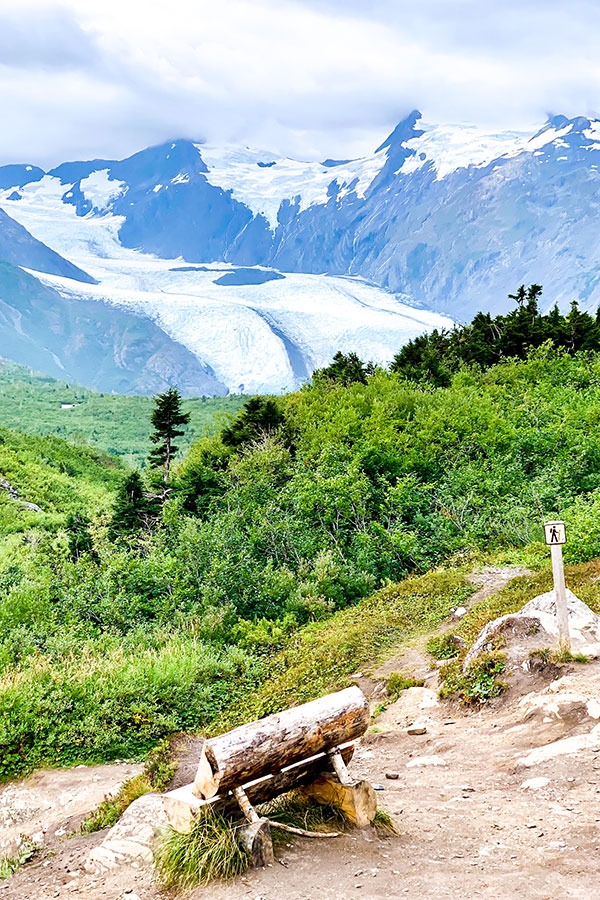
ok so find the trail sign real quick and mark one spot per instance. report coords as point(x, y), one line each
point(556, 536)
point(555, 533)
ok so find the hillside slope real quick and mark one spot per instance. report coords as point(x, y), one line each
point(116, 423)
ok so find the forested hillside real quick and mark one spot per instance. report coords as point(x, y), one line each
point(117, 629)
point(115, 423)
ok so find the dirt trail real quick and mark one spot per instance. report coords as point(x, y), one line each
point(479, 817)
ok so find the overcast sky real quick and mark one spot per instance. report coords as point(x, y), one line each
point(313, 78)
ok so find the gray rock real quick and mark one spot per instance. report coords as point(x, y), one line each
point(416, 729)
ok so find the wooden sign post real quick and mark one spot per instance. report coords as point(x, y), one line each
point(556, 536)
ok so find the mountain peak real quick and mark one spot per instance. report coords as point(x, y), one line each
point(404, 131)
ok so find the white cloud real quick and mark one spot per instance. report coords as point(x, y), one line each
point(319, 78)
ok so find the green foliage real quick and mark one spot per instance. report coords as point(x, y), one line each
point(435, 357)
point(442, 646)
point(207, 853)
point(321, 657)
point(479, 683)
point(167, 418)
point(132, 510)
point(345, 369)
point(114, 423)
point(278, 564)
point(259, 416)
point(10, 864)
point(398, 682)
point(113, 700)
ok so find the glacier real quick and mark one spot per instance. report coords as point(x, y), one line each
point(256, 338)
point(263, 266)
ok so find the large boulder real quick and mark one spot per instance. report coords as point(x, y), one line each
point(540, 614)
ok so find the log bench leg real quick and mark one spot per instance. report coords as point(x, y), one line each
point(255, 839)
point(357, 799)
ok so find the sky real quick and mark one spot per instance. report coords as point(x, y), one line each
point(311, 79)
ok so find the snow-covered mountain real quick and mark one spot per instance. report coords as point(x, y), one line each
point(264, 266)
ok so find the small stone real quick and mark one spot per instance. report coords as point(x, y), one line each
point(459, 612)
point(534, 784)
point(416, 729)
point(392, 776)
point(378, 787)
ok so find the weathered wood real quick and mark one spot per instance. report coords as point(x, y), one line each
point(357, 801)
point(271, 744)
point(339, 766)
point(182, 804)
point(255, 839)
point(246, 807)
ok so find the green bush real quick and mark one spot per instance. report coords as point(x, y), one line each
point(479, 683)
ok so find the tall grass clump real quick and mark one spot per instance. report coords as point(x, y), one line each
point(209, 852)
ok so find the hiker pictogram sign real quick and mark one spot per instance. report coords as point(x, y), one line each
point(555, 533)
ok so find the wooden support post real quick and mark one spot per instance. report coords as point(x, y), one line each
point(356, 800)
point(560, 597)
point(339, 766)
point(255, 838)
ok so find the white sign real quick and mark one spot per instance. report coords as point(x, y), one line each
point(555, 533)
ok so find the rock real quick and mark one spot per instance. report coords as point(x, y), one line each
point(584, 624)
point(392, 776)
point(459, 612)
point(534, 784)
point(378, 787)
point(563, 747)
point(131, 840)
point(416, 729)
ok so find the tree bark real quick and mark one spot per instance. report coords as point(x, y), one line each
point(269, 745)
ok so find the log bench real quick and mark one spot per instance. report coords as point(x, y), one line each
point(306, 747)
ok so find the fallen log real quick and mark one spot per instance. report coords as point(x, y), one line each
point(261, 748)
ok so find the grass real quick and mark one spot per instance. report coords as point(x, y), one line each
point(322, 656)
point(479, 684)
point(398, 682)
point(442, 646)
point(384, 823)
point(207, 853)
point(301, 812)
point(10, 864)
point(548, 655)
point(211, 852)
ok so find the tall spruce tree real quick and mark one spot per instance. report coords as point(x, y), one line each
point(167, 419)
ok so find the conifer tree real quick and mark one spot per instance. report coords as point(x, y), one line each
point(259, 415)
point(132, 510)
point(167, 417)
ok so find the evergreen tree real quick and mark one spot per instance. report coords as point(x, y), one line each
point(436, 356)
point(80, 539)
point(166, 418)
point(346, 368)
point(132, 509)
point(258, 416)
